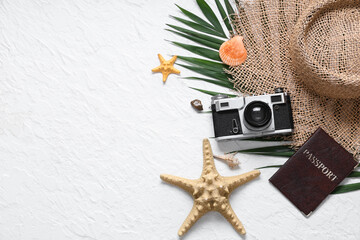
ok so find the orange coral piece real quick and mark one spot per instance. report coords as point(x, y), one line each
point(233, 52)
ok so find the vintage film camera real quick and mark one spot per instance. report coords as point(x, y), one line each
point(250, 117)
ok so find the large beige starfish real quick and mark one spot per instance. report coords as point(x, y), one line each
point(211, 191)
point(166, 67)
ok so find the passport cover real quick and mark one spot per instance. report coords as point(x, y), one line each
point(313, 172)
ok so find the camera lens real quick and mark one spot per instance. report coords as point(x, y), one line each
point(257, 114)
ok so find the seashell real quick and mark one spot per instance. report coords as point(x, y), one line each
point(233, 52)
point(230, 159)
point(197, 104)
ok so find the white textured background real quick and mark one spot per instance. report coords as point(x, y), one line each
point(86, 129)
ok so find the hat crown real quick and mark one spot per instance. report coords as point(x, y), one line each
point(325, 48)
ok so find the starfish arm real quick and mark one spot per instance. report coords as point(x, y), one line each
point(161, 58)
point(228, 213)
point(172, 60)
point(186, 184)
point(208, 157)
point(195, 214)
point(165, 75)
point(157, 69)
point(176, 71)
point(236, 181)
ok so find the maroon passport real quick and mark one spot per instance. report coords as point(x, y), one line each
point(313, 172)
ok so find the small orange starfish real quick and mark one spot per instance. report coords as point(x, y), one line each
point(166, 67)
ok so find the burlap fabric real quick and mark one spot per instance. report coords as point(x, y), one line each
point(312, 49)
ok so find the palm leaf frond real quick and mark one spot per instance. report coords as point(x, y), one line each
point(206, 72)
point(196, 39)
point(346, 188)
point(354, 174)
point(195, 18)
point(270, 166)
point(229, 9)
point(218, 67)
point(210, 15)
point(212, 93)
point(273, 154)
point(198, 27)
point(274, 151)
point(197, 34)
point(212, 81)
point(209, 33)
point(281, 148)
point(204, 52)
point(224, 16)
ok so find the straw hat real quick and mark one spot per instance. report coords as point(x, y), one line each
point(325, 47)
point(312, 49)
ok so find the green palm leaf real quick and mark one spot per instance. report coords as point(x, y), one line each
point(274, 151)
point(195, 18)
point(212, 93)
point(214, 73)
point(273, 154)
point(229, 9)
point(204, 52)
point(206, 34)
point(199, 27)
point(354, 174)
point(205, 72)
point(346, 188)
point(270, 166)
point(196, 34)
point(215, 82)
point(196, 40)
point(224, 16)
point(210, 15)
point(281, 148)
point(202, 62)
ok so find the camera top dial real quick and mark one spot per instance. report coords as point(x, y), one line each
point(218, 97)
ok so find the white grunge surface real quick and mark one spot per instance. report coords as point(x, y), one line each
point(86, 129)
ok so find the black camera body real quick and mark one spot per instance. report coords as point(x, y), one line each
point(253, 116)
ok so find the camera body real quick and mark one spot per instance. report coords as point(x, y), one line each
point(253, 116)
